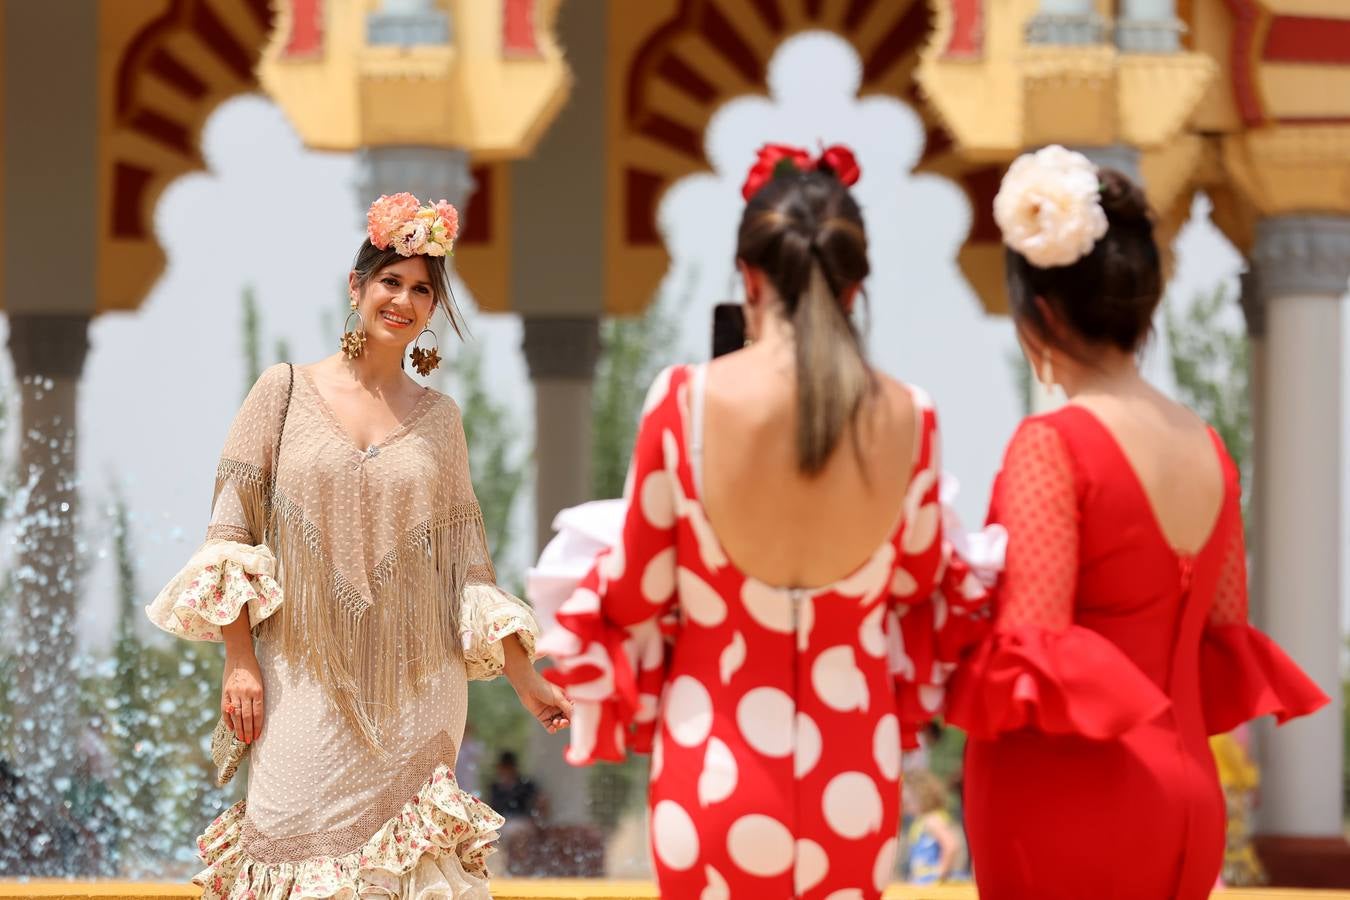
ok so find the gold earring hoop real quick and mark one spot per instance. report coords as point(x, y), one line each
point(353, 342)
point(426, 361)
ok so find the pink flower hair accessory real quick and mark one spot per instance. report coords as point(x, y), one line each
point(402, 222)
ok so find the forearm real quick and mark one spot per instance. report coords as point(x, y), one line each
point(518, 667)
point(238, 637)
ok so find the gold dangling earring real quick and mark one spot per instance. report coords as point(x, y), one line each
point(426, 361)
point(353, 342)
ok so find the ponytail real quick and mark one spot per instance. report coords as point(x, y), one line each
point(805, 232)
point(833, 378)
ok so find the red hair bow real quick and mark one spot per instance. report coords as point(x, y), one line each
point(775, 158)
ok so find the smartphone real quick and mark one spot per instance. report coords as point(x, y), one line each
point(728, 330)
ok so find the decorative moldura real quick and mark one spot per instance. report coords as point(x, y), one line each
point(1302, 255)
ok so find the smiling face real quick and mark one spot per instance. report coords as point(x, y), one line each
point(396, 302)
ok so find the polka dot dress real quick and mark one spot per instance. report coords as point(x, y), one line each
point(775, 718)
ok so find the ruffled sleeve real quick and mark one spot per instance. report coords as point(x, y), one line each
point(1243, 673)
point(610, 644)
point(487, 617)
point(1037, 669)
point(938, 603)
point(239, 504)
point(233, 570)
point(221, 579)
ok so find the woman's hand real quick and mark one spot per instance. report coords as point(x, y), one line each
point(241, 696)
point(545, 700)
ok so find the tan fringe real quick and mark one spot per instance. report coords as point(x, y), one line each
point(365, 651)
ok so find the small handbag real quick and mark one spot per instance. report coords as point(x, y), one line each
point(227, 751)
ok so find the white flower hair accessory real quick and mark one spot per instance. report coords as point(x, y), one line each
point(1049, 207)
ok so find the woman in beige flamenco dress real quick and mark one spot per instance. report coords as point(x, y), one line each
point(355, 606)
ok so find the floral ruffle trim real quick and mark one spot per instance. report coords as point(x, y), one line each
point(436, 846)
point(490, 615)
point(219, 580)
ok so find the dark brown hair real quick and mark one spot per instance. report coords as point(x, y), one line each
point(1108, 297)
point(806, 233)
point(371, 260)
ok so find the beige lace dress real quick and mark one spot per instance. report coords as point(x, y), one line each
point(373, 602)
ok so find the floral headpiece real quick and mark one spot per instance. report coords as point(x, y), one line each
point(1049, 207)
point(402, 222)
point(780, 159)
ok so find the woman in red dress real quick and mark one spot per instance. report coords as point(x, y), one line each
point(764, 626)
point(1120, 638)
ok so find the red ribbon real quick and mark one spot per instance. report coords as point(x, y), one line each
point(775, 158)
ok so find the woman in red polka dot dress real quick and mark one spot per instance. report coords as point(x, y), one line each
point(1120, 638)
point(767, 627)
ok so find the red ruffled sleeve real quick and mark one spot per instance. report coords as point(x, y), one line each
point(1243, 673)
point(939, 606)
point(1058, 682)
point(610, 645)
point(1037, 669)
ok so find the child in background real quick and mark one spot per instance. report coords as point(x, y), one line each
point(934, 841)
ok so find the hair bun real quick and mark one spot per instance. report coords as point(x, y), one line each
point(1122, 199)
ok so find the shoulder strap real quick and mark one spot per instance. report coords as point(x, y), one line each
point(276, 452)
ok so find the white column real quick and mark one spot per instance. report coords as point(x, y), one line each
point(407, 23)
point(1149, 26)
point(1066, 23)
point(1301, 266)
point(1254, 313)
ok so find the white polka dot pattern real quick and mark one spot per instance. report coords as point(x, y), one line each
point(760, 845)
point(886, 747)
point(884, 868)
point(674, 836)
point(718, 780)
point(701, 603)
point(689, 712)
point(812, 865)
point(776, 745)
point(852, 805)
point(764, 717)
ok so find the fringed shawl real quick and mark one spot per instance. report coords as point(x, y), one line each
point(374, 545)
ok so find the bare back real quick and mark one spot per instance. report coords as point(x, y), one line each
point(1173, 456)
point(778, 525)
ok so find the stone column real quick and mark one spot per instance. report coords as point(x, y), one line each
point(558, 288)
point(1301, 265)
point(51, 216)
point(1149, 26)
point(1066, 23)
point(48, 352)
point(1254, 313)
point(561, 352)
